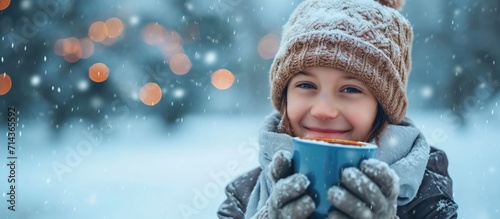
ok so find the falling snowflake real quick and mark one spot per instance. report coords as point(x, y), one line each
point(134, 20)
point(393, 141)
point(26, 4)
point(82, 85)
point(189, 6)
point(179, 93)
point(35, 80)
point(210, 58)
point(427, 92)
point(492, 170)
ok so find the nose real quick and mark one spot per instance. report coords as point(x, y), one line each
point(325, 108)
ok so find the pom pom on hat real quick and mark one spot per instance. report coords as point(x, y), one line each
point(396, 4)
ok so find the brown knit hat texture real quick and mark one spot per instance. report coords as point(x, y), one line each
point(368, 39)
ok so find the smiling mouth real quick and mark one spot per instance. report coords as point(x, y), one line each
point(327, 133)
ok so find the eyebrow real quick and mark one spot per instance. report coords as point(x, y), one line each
point(304, 73)
point(347, 77)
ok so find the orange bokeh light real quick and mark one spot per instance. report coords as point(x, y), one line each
point(109, 41)
point(70, 45)
point(58, 47)
point(268, 46)
point(153, 34)
point(71, 49)
point(98, 31)
point(171, 49)
point(98, 72)
point(87, 47)
point(222, 79)
point(171, 36)
point(5, 83)
point(4, 4)
point(150, 94)
point(180, 64)
point(115, 27)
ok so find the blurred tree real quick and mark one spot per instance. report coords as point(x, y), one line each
point(475, 36)
point(48, 87)
point(454, 53)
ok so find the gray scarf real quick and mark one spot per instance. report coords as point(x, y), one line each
point(401, 146)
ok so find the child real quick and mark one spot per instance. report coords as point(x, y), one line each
point(341, 72)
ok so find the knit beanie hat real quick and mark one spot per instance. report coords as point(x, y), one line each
point(368, 39)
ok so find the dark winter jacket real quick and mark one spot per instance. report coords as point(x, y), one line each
point(434, 197)
point(425, 187)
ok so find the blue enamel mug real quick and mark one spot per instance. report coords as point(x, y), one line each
point(322, 161)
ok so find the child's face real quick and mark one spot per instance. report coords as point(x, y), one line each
point(325, 102)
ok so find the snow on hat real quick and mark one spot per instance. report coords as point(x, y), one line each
point(368, 39)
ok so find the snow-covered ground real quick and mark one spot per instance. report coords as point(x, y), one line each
point(140, 170)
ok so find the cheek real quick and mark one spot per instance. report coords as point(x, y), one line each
point(293, 112)
point(295, 109)
point(362, 118)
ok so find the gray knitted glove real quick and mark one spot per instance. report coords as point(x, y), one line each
point(288, 199)
point(368, 192)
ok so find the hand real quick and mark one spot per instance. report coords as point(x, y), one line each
point(281, 166)
point(288, 199)
point(368, 192)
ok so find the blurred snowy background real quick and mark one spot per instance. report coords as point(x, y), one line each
point(187, 86)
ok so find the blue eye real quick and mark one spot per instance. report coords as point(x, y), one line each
point(306, 86)
point(351, 90)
